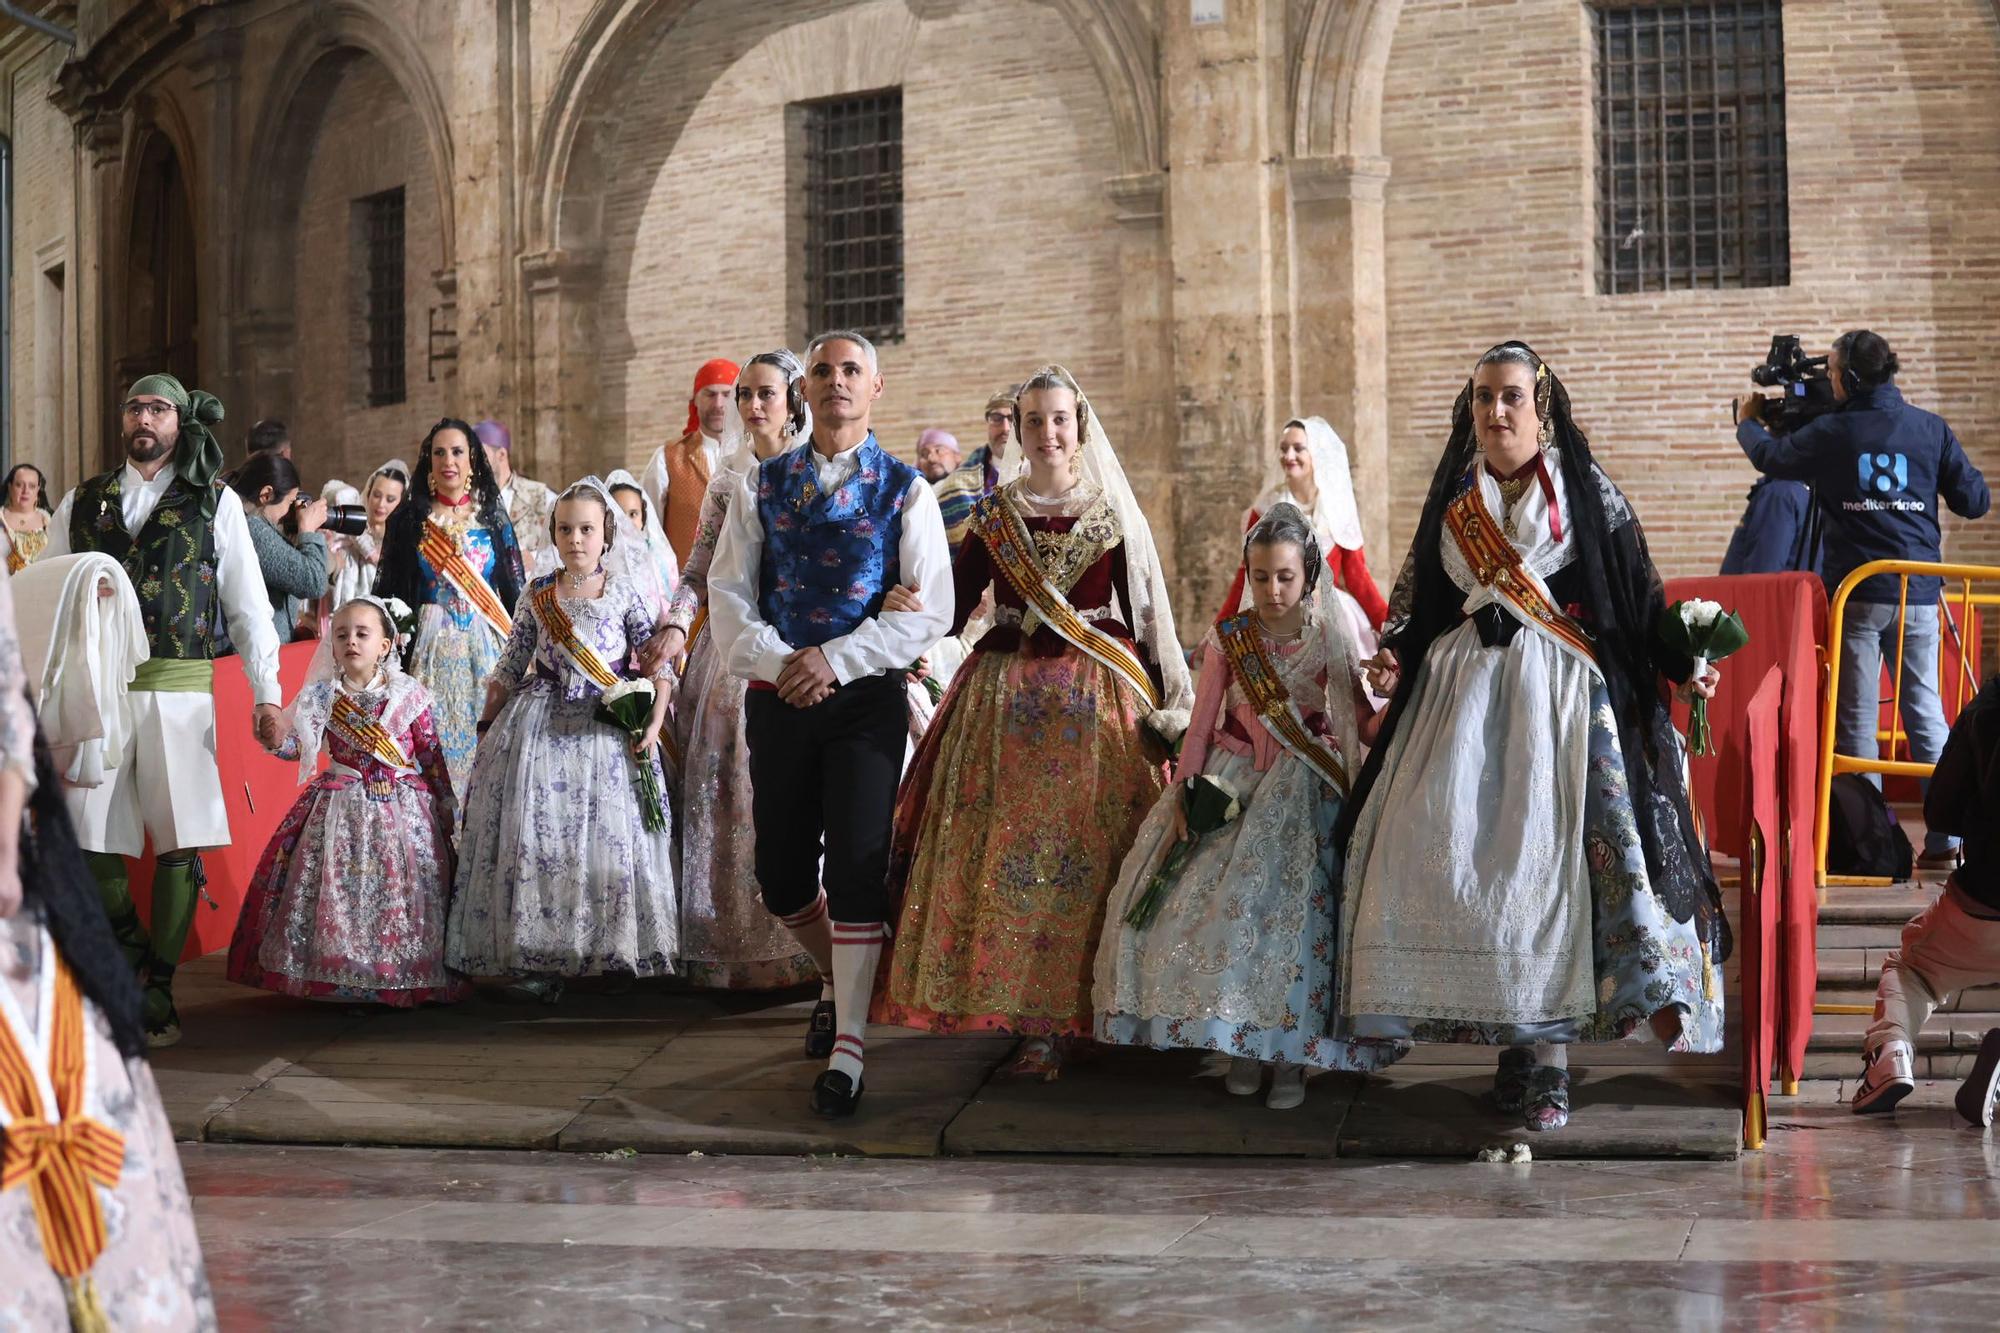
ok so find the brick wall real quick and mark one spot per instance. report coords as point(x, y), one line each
point(369, 140)
point(1893, 113)
point(1010, 252)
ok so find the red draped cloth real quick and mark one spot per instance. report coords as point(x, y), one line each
point(257, 789)
point(1758, 944)
point(1786, 615)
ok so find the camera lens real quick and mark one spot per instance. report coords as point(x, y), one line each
point(347, 520)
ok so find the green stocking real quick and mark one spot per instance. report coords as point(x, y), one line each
point(114, 887)
point(176, 884)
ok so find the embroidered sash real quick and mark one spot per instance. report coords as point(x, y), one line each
point(1265, 689)
point(1013, 550)
point(448, 558)
point(548, 606)
point(353, 724)
point(1497, 565)
point(50, 1144)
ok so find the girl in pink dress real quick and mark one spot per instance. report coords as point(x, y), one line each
point(349, 898)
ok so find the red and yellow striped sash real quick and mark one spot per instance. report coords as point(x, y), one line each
point(1266, 691)
point(1013, 551)
point(364, 733)
point(63, 1160)
point(1497, 565)
point(700, 624)
point(548, 607)
point(447, 557)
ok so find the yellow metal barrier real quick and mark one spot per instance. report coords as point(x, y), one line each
point(1962, 683)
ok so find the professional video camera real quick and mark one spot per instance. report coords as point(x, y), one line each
point(1808, 393)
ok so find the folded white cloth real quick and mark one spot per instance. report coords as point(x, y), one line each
point(80, 651)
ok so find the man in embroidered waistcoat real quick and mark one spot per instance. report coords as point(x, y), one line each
point(677, 475)
point(813, 541)
point(188, 553)
point(529, 505)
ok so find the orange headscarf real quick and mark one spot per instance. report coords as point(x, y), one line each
point(718, 371)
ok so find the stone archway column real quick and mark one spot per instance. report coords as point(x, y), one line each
point(218, 70)
point(1148, 449)
point(561, 396)
point(1340, 323)
point(1227, 264)
point(101, 156)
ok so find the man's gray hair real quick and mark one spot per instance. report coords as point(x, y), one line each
point(846, 336)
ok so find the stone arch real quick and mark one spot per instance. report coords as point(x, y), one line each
point(567, 159)
point(314, 57)
point(1342, 56)
point(577, 148)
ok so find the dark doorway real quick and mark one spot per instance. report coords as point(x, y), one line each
point(159, 316)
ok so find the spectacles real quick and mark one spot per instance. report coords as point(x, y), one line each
point(999, 418)
point(140, 407)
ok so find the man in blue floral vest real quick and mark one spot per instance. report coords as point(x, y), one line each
point(184, 542)
point(814, 541)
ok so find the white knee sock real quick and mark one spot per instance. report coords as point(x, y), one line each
point(857, 948)
point(1555, 1055)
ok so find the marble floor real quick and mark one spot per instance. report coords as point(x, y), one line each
point(1840, 1223)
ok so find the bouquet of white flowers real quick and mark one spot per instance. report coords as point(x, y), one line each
point(405, 619)
point(1707, 633)
point(627, 706)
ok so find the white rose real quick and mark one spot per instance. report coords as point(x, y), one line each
point(625, 687)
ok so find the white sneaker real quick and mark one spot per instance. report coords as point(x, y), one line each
point(1886, 1081)
point(1288, 1087)
point(1245, 1076)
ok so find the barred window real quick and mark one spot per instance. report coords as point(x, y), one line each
point(854, 214)
point(1691, 189)
point(382, 219)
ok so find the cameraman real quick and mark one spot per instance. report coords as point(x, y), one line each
point(294, 567)
point(1879, 468)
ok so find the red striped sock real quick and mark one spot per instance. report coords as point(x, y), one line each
point(857, 948)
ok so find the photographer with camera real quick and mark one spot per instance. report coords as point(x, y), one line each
point(285, 531)
point(1878, 468)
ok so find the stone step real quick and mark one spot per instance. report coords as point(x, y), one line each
point(1952, 1064)
point(1848, 905)
point(1947, 1032)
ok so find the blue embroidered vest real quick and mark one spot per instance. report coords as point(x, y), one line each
point(829, 559)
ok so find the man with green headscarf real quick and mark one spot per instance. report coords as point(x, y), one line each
point(186, 546)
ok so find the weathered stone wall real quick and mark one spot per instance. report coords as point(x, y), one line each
point(1893, 125)
point(42, 366)
point(1010, 250)
point(369, 140)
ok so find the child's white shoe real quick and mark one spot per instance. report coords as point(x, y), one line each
point(1245, 1076)
point(1288, 1087)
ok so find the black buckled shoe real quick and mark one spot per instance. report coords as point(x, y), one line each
point(819, 1032)
point(834, 1095)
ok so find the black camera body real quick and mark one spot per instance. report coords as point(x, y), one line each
point(1808, 393)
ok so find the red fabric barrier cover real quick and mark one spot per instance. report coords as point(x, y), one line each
point(257, 788)
point(1786, 615)
point(1757, 932)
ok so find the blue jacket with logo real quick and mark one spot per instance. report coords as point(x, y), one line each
point(1879, 468)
